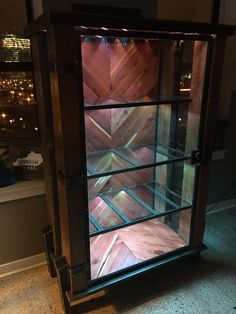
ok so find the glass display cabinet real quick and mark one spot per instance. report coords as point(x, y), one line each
point(127, 111)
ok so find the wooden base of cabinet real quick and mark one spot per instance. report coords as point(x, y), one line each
point(71, 302)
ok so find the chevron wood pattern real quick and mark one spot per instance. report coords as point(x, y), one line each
point(116, 71)
point(126, 247)
point(104, 184)
point(113, 72)
point(115, 128)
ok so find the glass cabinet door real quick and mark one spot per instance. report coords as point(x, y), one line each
point(142, 109)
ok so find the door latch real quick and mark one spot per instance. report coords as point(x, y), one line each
point(196, 157)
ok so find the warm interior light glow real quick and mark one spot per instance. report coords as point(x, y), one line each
point(11, 41)
point(185, 89)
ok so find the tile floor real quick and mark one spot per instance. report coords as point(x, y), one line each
point(207, 287)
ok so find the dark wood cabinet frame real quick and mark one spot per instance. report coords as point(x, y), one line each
point(58, 82)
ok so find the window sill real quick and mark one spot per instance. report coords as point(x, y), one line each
point(22, 189)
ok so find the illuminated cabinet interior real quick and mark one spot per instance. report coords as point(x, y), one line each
point(132, 110)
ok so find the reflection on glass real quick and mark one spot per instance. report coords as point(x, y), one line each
point(18, 115)
point(102, 163)
point(14, 48)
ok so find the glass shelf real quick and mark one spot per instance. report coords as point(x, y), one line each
point(124, 159)
point(131, 205)
point(122, 102)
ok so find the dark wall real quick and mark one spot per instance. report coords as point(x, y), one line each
point(12, 16)
point(222, 185)
point(149, 8)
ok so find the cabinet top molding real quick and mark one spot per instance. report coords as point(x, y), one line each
point(132, 24)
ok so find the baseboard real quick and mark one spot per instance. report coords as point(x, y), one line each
point(228, 204)
point(22, 265)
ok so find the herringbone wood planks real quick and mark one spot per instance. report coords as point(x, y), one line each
point(126, 247)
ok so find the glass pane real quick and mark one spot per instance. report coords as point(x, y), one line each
point(142, 102)
point(103, 214)
point(120, 200)
point(14, 48)
point(108, 103)
point(18, 115)
point(127, 68)
point(124, 138)
point(119, 249)
point(128, 205)
point(92, 228)
point(186, 67)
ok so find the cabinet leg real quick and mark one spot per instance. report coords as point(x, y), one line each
point(63, 282)
point(49, 248)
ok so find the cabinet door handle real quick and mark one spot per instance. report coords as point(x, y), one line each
point(196, 157)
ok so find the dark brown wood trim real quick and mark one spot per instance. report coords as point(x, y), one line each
point(215, 11)
point(131, 23)
point(42, 87)
point(68, 120)
point(29, 10)
point(207, 139)
point(16, 66)
point(105, 10)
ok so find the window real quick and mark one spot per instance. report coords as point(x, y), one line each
point(19, 131)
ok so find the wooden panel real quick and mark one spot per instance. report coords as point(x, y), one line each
point(197, 84)
point(216, 63)
point(113, 71)
point(193, 124)
point(167, 87)
point(134, 69)
point(105, 216)
point(42, 86)
point(116, 70)
point(105, 128)
point(96, 71)
point(67, 104)
point(126, 247)
point(139, 125)
point(98, 130)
